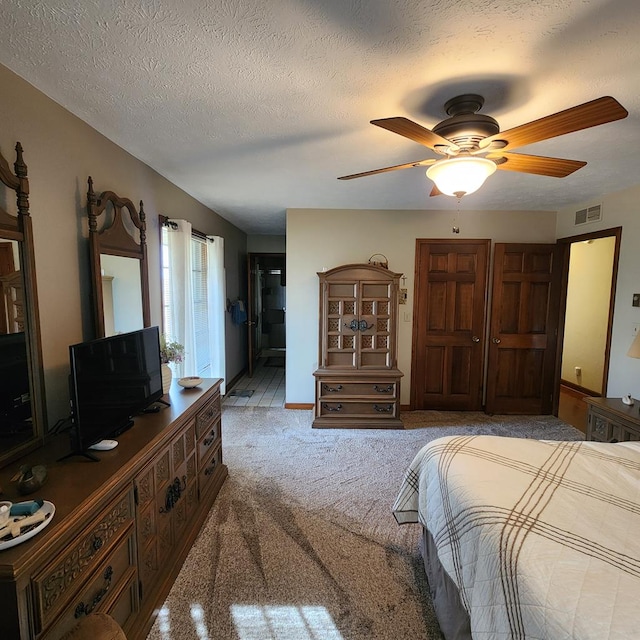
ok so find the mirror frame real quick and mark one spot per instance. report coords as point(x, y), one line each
point(115, 240)
point(19, 228)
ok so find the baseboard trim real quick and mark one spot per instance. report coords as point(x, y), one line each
point(298, 405)
point(577, 391)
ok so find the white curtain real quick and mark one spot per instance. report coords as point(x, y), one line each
point(216, 295)
point(183, 328)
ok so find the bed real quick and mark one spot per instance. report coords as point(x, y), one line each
point(528, 538)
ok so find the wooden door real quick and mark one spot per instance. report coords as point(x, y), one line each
point(524, 322)
point(449, 324)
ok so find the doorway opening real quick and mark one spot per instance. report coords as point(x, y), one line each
point(266, 312)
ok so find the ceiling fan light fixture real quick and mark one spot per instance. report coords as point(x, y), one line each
point(461, 175)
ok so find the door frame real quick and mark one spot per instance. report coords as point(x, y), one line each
point(565, 244)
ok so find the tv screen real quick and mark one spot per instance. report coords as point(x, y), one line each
point(112, 379)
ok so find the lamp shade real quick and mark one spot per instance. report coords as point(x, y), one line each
point(461, 175)
point(634, 349)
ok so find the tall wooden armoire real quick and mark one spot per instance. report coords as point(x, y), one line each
point(357, 380)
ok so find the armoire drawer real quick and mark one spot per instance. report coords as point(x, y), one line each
point(382, 389)
point(53, 586)
point(372, 410)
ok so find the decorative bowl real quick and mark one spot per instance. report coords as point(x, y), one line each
point(189, 382)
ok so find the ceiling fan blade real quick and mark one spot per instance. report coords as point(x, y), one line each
point(540, 165)
point(413, 131)
point(435, 191)
point(408, 165)
point(584, 116)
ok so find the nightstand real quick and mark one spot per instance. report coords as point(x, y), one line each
point(610, 420)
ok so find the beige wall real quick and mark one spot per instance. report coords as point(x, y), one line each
point(620, 209)
point(587, 312)
point(327, 238)
point(61, 151)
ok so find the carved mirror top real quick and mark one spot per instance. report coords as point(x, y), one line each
point(116, 239)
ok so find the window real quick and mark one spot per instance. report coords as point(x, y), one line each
point(193, 290)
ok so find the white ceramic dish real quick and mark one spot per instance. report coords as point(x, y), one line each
point(48, 510)
point(189, 382)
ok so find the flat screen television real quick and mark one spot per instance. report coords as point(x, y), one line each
point(112, 379)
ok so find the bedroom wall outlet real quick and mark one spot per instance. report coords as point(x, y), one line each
point(578, 371)
point(407, 316)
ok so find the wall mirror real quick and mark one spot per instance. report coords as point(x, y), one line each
point(22, 413)
point(119, 271)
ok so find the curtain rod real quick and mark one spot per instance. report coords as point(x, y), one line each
point(165, 222)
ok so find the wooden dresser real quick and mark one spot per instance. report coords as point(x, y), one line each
point(357, 381)
point(610, 420)
point(122, 526)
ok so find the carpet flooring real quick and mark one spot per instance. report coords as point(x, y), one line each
point(301, 543)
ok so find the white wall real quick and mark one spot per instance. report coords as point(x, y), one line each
point(620, 209)
point(318, 238)
point(266, 244)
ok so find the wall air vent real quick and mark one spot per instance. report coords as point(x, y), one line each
point(590, 214)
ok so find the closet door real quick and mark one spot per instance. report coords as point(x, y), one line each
point(524, 322)
point(449, 324)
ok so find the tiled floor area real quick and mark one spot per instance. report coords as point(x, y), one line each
point(267, 384)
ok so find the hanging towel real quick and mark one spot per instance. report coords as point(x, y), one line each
point(238, 312)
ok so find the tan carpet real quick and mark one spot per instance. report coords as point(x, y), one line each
point(301, 543)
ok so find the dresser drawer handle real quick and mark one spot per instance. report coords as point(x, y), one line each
point(387, 389)
point(97, 543)
point(386, 409)
point(210, 469)
point(208, 441)
point(326, 387)
point(174, 492)
point(85, 609)
point(328, 407)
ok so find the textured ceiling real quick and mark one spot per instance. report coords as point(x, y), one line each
point(256, 106)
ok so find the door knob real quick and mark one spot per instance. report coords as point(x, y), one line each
point(475, 339)
point(495, 340)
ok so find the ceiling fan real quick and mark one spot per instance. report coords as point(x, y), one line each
point(474, 147)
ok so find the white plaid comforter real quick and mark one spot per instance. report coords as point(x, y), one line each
point(542, 538)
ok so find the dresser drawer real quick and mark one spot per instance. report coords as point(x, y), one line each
point(382, 389)
point(108, 589)
point(209, 440)
point(208, 415)
point(209, 470)
point(372, 410)
point(53, 586)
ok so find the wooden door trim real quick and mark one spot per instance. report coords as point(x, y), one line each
point(565, 243)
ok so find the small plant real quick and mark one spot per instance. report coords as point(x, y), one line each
point(170, 351)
